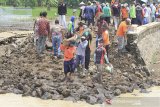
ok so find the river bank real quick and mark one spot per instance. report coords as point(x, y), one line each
point(135, 99)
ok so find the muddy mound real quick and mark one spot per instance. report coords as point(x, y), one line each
point(21, 72)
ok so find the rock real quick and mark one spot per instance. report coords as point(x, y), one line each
point(119, 71)
point(138, 75)
point(91, 99)
point(126, 74)
point(117, 92)
point(3, 91)
point(83, 96)
point(1, 82)
point(39, 92)
point(34, 94)
point(123, 89)
point(57, 96)
point(66, 93)
point(46, 96)
point(144, 91)
point(17, 91)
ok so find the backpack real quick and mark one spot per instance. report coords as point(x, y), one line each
point(99, 54)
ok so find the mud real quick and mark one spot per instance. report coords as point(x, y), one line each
point(22, 72)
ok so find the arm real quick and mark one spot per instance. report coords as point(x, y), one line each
point(62, 47)
point(65, 9)
point(84, 44)
point(106, 58)
point(94, 58)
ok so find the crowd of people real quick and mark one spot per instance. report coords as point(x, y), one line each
point(73, 42)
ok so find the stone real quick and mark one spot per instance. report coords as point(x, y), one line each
point(117, 92)
point(66, 93)
point(46, 96)
point(39, 92)
point(3, 91)
point(91, 99)
point(34, 94)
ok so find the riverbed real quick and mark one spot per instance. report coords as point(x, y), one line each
point(135, 99)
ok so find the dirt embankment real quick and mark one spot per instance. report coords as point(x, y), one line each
point(21, 72)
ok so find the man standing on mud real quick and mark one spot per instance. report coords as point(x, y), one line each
point(62, 11)
point(43, 32)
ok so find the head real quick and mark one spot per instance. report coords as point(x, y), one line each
point(56, 22)
point(100, 43)
point(154, 4)
point(105, 27)
point(143, 5)
point(72, 19)
point(89, 3)
point(128, 21)
point(83, 38)
point(80, 23)
point(44, 14)
point(125, 5)
point(107, 4)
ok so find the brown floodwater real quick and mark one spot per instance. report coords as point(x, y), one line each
point(135, 99)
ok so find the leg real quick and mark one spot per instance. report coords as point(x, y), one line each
point(60, 20)
point(54, 45)
point(43, 43)
point(87, 58)
point(115, 22)
point(39, 45)
point(107, 50)
point(64, 21)
point(120, 44)
point(58, 45)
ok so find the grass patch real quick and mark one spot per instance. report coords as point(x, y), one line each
point(52, 14)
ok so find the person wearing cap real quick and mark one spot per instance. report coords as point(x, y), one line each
point(89, 14)
point(82, 7)
point(116, 14)
point(107, 13)
point(121, 35)
point(80, 53)
point(100, 58)
point(62, 11)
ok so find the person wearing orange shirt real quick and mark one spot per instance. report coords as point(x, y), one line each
point(124, 12)
point(69, 65)
point(121, 35)
point(105, 37)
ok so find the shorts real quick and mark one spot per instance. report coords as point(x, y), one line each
point(80, 60)
point(69, 66)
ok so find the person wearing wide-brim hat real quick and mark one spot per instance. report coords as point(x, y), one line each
point(82, 7)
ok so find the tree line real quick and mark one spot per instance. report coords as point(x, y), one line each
point(38, 3)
